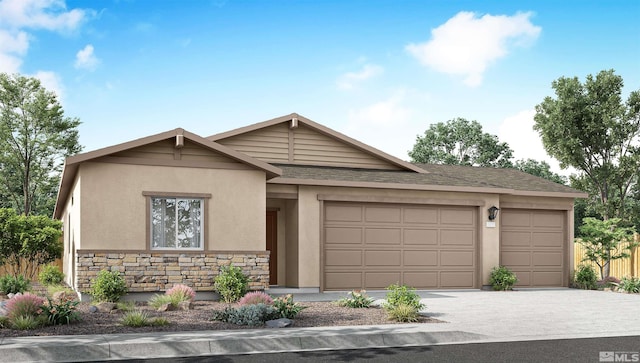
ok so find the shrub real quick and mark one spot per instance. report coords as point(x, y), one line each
point(50, 275)
point(159, 321)
point(253, 315)
point(108, 286)
point(585, 278)
point(356, 299)
point(404, 313)
point(502, 279)
point(24, 305)
point(4, 322)
point(135, 319)
point(286, 308)
point(182, 292)
point(10, 284)
point(256, 297)
point(25, 322)
point(61, 312)
point(402, 294)
point(231, 283)
point(629, 284)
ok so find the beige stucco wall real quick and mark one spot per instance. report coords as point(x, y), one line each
point(114, 209)
point(71, 231)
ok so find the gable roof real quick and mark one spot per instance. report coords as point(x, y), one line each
point(71, 163)
point(440, 178)
point(296, 119)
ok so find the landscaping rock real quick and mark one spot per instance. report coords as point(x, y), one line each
point(279, 323)
point(185, 305)
point(165, 307)
point(106, 307)
point(93, 309)
point(62, 296)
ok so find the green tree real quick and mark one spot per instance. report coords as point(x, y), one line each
point(460, 142)
point(539, 168)
point(603, 242)
point(588, 126)
point(35, 137)
point(27, 242)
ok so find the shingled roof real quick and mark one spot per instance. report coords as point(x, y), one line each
point(437, 177)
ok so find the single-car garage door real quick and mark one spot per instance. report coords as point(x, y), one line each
point(532, 244)
point(370, 246)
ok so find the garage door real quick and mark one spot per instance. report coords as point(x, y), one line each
point(532, 244)
point(370, 246)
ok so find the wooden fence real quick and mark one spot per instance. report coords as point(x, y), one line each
point(619, 268)
point(6, 269)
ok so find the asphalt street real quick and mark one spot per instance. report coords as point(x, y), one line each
point(625, 349)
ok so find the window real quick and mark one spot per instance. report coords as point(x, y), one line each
point(177, 223)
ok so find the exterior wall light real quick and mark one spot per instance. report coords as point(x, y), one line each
point(493, 213)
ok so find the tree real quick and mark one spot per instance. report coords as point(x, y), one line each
point(588, 127)
point(603, 240)
point(35, 137)
point(26, 242)
point(539, 168)
point(460, 142)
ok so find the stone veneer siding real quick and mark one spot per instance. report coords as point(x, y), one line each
point(157, 271)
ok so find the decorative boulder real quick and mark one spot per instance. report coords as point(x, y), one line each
point(106, 307)
point(279, 323)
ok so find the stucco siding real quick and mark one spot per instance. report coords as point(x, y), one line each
point(114, 209)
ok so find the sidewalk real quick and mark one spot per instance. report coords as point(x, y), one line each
point(472, 316)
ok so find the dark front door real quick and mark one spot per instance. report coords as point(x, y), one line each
point(272, 246)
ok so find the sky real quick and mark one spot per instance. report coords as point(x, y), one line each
point(378, 71)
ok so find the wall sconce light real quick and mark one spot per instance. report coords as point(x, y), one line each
point(493, 213)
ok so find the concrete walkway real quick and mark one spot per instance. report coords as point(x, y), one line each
point(471, 316)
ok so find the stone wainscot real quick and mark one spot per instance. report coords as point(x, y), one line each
point(158, 271)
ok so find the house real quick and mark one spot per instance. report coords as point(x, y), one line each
point(299, 205)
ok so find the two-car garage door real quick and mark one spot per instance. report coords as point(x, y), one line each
point(370, 246)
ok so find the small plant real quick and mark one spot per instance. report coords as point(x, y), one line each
point(126, 305)
point(108, 286)
point(231, 283)
point(286, 308)
point(502, 279)
point(255, 297)
point(24, 305)
point(182, 292)
point(629, 284)
point(135, 319)
point(50, 275)
point(585, 278)
point(402, 294)
point(158, 301)
point(356, 299)
point(159, 321)
point(10, 284)
point(403, 313)
point(253, 315)
point(62, 312)
point(25, 322)
point(4, 322)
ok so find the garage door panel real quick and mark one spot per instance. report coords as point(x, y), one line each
point(380, 280)
point(343, 258)
point(421, 215)
point(427, 237)
point(420, 258)
point(421, 280)
point(457, 217)
point(343, 235)
point(547, 239)
point(343, 280)
point(456, 258)
point(451, 237)
point(456, 279)
point(382, 215)
point(511, 258)
point(551, 278)
point(551, 259)
point(515, 238)
point(343, 213)
point(383, 236)
point(532, 244)
point(374, 245)
point(382, 258)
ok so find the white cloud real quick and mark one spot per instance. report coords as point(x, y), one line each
point(350, 79)
point(51, 81)
point(466, 44)
point(387, 112)
point(40, 14)
point(13, 45)
point(518, 132)
point(86, 59)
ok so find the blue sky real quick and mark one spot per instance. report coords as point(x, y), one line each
point(378, 71)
